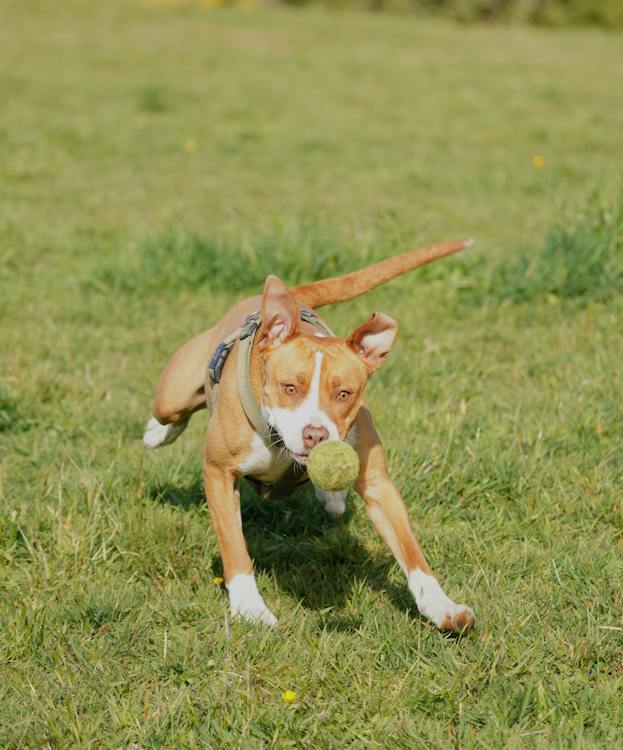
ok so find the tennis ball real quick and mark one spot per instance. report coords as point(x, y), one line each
point(333, 465)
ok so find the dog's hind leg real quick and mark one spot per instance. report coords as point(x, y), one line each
point(333, 502)
point(180, 391)
point(157, 435)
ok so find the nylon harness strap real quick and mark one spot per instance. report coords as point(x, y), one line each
point(245, 335)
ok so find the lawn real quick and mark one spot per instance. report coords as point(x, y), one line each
point(157, 160)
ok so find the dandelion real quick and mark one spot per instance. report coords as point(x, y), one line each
point(217, 580)
point(190, 146)
point(289, 696)
point(538, 161)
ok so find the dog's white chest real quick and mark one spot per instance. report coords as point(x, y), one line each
point(266, 464)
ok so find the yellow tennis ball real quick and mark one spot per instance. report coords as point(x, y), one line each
point(333, 465)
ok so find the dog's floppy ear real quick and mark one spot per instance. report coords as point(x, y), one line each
point(373, 339)
point(280, 315)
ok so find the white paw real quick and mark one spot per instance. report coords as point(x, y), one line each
point(156, 435)
point(334, 502)
point(437, 606)
point(245, 601)
point(256, 612)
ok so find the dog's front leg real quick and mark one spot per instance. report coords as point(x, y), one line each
point(224, 506)
point(387, 511)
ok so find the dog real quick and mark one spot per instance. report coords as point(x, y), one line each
point(278, 383)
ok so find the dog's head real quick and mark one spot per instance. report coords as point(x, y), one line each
point(314, 384)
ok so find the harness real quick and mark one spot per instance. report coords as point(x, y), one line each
point(245, 336)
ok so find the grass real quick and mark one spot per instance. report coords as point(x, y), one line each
point(156, 161)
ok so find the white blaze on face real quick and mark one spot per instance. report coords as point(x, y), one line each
point(290, 423)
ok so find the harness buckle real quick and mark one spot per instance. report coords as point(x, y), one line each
point(215, 368)
point(251, 324)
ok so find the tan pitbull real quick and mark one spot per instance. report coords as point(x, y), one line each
point(278, 385)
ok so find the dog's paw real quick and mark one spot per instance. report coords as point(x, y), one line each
point(334, 502)
point(157, 435)
point(433, 603)
point(255, 612)
point(246, 603)
point(459, 621)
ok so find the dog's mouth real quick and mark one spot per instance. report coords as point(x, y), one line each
point(299, 458)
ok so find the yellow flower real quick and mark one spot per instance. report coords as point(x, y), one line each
point(538, 161)
point(190, 146)
point(217, 580)
point(289, 696)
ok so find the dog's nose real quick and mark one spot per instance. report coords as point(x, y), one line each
point(314, 435)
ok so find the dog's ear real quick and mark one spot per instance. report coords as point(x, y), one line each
point(373, 339)
point(280, 315)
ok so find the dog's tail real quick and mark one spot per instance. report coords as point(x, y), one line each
point(343, 288)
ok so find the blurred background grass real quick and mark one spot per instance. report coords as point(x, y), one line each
point(157, 160)
point(550, 13)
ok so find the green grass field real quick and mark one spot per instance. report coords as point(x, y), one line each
point(157, 160)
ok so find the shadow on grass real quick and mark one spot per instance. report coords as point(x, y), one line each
point(313, 558)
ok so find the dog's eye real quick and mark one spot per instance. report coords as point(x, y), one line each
point(289, 388)
point(343, 395)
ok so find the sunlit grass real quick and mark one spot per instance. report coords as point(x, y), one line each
point(155, 164)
